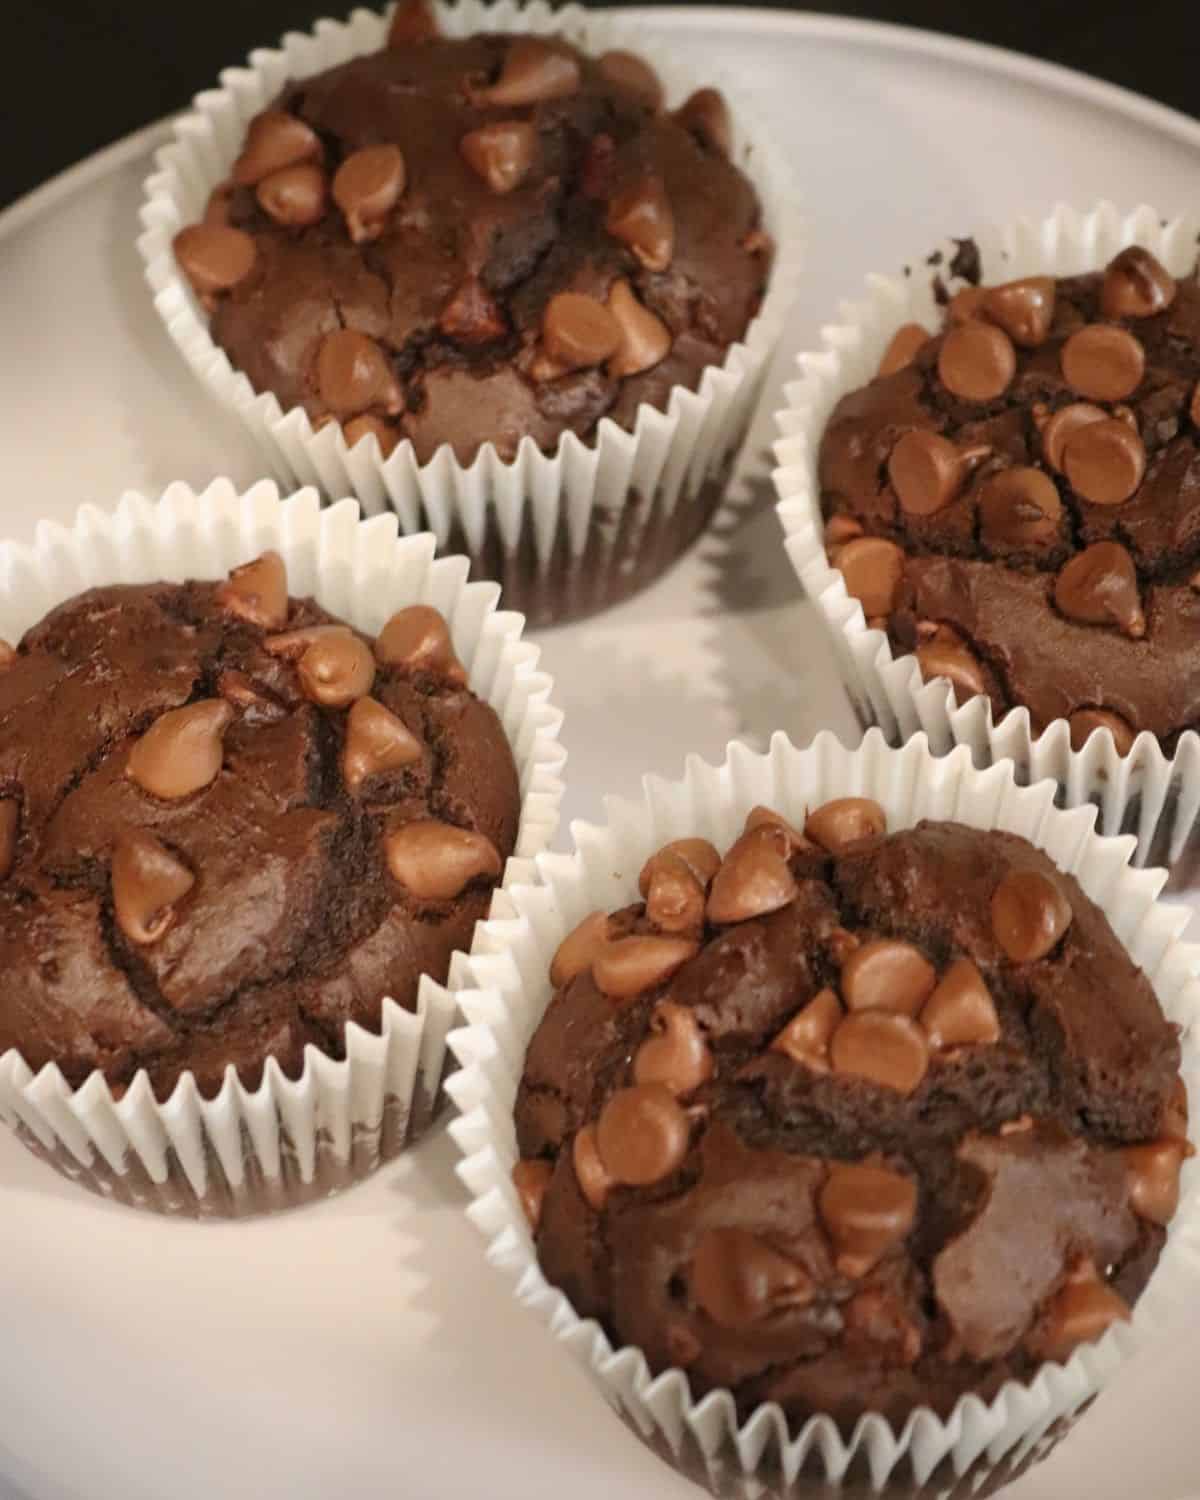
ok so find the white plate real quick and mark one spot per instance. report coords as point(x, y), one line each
point(361, 1348)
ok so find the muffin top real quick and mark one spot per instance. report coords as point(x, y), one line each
point(849, 1121)
point(470, 241)
point(231, 824)
point(1017, 498)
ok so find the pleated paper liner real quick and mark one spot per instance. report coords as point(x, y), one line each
point(1147, 793)
point(504, 990)
point(567, 532)
point(287, 1141)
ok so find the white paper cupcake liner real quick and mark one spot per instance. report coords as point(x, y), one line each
point(288, 1140)
point(505, 990)
point(1146, 793)
point(560, 531)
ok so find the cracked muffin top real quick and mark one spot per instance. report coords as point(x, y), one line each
point(849, 1121)
point(1016, 498)
point(230, 825)
point(474, 240)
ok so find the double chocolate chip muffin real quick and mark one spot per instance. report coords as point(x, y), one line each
point(470, 241)
point(230, 825)
point(1016, 499)
point(851, 1122)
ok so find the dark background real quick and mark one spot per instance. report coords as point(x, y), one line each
point(80, 75)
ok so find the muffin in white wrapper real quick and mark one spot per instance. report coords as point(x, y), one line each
point(1145, 792)
point(289, 1140)
point(504, 989)
point(566, 532)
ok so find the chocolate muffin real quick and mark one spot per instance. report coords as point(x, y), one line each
point(470, 241)
point(1017, 498)
point(851, 1122)
point(231, 825)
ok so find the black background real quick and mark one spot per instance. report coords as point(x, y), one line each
point(80, 75)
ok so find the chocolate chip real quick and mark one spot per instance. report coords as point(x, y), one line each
point(926, 471)
point(706, 115)
point(805, 1038)
point(531, 1179)
point(788, 839)
point(640, 217)
point(501, 153)
point(1084, 722)
point(148, 882)
point(366, 187)
point(906, 343)
point(217, 209)
point(754, 879)
point(182, 751)
point(578, 331)
point(844, 821)
point(274, 140)
point(1058, 430)
point(626, 967)
point(1105, 461)
point(872, 568)
point(1083, 1310)
point(1152, 1172)
point(645, 338)
point(966, 304)
point(961, 1012)
point(292, 644)
point(628, 71)
point(534, 72)
point(699, 855)
point(10, 821)
point(866, 1210)
point(883, 1048)
point(674, 897)
point(1099, 586)
point(642, 1135)
point(977, 361)
point(876, 1319)
point(214, 257)
point(677, 1056)
point(1103, 363)
point(1030, 914)
point(887, 974)
point(413, 21)
point(368, 425)
point(738, 1280)
point(353, 373)
point(257, 592)
point(436, 861)
point(579, 949)
point(1024, 309)
point(256, 704)
point(336, 670)
point(590, 1172)
point(946, 655)
point(841, 529)
point(1019, 507)
point(294, 196)
point(418, 639)
point(1136, 285)
point(376, 741)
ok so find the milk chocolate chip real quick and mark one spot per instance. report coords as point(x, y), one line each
point(642, 1135)
point(590, 1172)
point(353, 373)
point(632, 73)
point(805, 1038)
point(1084, 722)
point(866, 1210)
point(1152, 1172)
point(961, 1012)
point(1058, 430)
point(906, 343)
point(578, 950)
point(472, 315)
point(182, 751)
point(437, 861)
point(1019, 507)
point(841, 529)
point(413, 21)
point(214, 257)
point(148, 882)
point(501, 153)
point(674, 896)
point(977, 361)
point(887, 974)
point(418, 639)
point(872, 568)
point(926, 471)
point(699, 855)
point(1099, 586)
point(882, 1047)
point(844, 821)
point(336, 670)
point(10, 820)
point(257, 592)
point(1024, 309)
point(1083, 1310)
point(676, 1055)
point(531, 1179)
point(366, 187)
point(787, 838)
point(754, 879)
point(738, 1279)
point(1103, 363)
point(578, 331)
point(945, 655)
point(275, 140)
point(706, 115)
point(376, 741)
point(1105, 461)
point(640, 217)
point(294, 197)
point(534, 72)
point(629, 965)
point(1030, 914)
point(1136, 285)
point(369, 425)
point(645, 338)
